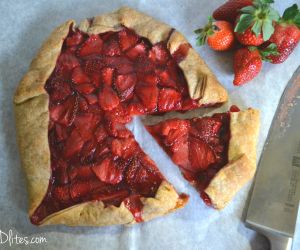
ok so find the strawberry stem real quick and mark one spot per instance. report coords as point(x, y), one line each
point(259, 17)
point(204, 33)
point(270, 50)
point(291, 15)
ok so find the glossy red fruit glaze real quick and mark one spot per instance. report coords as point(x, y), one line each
point(107, 171)
point(91, 46)
point(234, 108)
point(199, 147)
point(74, 39)
point(108, 98)
point(135, 206)
point(79, 77)
point(181, 52)
point(98, 83)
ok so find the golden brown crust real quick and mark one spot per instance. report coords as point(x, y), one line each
point(201, 81)
point(94, 213)
point(32, 84)
point(229, 180)
point(91, 213)
point(32, 117)
point(165, 201)
point(244, 128)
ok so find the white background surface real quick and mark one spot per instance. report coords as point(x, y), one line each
point(23, 27)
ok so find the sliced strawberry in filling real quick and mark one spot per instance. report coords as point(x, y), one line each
point(125, 85)
point(79, 77)
point(169, 99)
point(93, 65)
point(79, 189)
point(148, 95)
point(125, 148)
point(59, 89)
point(93, 45)
point(165, 79)
point(200, 154)
point(86, 124)
point(86, 88)
point(117, 129)
point(100, 133)
point(61, 172)
point(98, 83)
point(111, 46)
point(127, 39)
point(107, 171)
point(61, 193)
point(88, 151)
point(64, 113)
point(159, 53)
point(66, 62)
point(75, 39)
point(61, 132)
point(118, 114)
point(107, 75)
point(137, 51)
point(199, 147)
point(108, 98)
point(73, 144)
point(80, 172)
point(91, 99)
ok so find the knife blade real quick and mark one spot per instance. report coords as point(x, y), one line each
point(274, 201)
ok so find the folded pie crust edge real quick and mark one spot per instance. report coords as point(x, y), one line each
point(201, 81)
point(94, 213)
point(244, 129)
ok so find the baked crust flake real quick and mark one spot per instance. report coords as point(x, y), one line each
point(244, 129)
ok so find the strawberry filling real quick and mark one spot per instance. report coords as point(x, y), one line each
point(199, 146)
point(98, 83)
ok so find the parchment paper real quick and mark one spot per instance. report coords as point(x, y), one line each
point(24, 25)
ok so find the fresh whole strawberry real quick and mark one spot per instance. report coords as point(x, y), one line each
point(249, 38)
point(286, 35)
point(230, 10)
point(218, 35)
point(247, 62)
point(255, 24)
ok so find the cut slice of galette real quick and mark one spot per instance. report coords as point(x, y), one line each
point(82, 164)
point(216, 154)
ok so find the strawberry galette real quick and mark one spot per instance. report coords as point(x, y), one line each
point(83, 166)
point(215, 154)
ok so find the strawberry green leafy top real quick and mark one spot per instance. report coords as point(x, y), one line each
point(260, 17)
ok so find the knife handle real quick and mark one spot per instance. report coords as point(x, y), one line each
point(279, 242)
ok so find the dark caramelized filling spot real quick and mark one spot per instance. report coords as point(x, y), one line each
point(98, 84)
point(199, 147)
